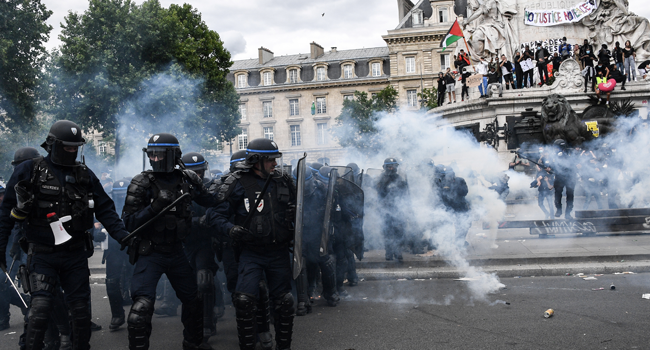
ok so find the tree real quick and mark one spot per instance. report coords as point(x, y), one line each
point(429, 98)
point(117, 53)
point(23, 31)
point(356, 125)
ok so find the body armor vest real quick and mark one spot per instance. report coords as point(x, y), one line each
point(72, 198)
point(175, 224)
point(269, 224)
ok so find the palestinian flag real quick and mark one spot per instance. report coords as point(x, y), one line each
point(454, 34)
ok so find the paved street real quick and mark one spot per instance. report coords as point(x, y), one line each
point(438, 314)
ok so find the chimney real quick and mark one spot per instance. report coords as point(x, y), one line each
point(316, 50)
point(333, 49)
point(265, 55)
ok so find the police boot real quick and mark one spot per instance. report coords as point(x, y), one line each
point(4, 320)
point(80, 315)
point(61, 317)
point(66, 342)
point(169, 302)
point(139, 323)
point(329, 281)
point(263, 318)
point(192, 319)
point(304, 307)
point(353, 279)
point(51, 341)
point(245, 315)
point(284, 313)
point(38, 321)
point(114, 292)
point(206, 287)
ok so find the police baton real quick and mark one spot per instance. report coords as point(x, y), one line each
point(166, 209)
point(4, 269)
point(10, 269)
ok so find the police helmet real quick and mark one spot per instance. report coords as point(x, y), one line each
point(323, 174)
point(390, 162)
point(119, 190)
point(164, 152)
point(196, 162)
point(237, 158)
point(216, 173)
point(24, 153)
point(261, 148)
point(354, 167)
point(64, 133)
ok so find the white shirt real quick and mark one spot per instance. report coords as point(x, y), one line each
point(481, 68)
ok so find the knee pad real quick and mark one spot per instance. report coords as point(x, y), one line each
point(285, 305)
point(141, 312)
point(40, 282)
point(40, 309)
point(244, 302)
point(205, 281)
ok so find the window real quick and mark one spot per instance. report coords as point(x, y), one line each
point(417, 18)
point(321, 105)
point(442, 14)
point(347, 71)
point(293, 76)
point(268, 78)
point(268, 133)
point(444, 62)
point(295, 135)
point(242, 111)
point(412, 98)
point(294, 107)
point(320, 73)
point(101, 147)
point(242, 139)
point(241, 81)
point(321, 133)
point(410, 64)
point(268, 109)
point(348, 97)
point(376, 69)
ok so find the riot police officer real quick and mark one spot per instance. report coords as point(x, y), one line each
point(392, 190)
point(198, 248)
point(44, 189)
point(565, 177)
point(116, 262)
point(453, 193)
point(162, 192)
point(262, 234)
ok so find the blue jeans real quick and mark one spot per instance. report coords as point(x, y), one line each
point(621, 67)
point(483, 87)
point(630, 69)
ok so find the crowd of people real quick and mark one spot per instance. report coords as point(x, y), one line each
point(535, 66)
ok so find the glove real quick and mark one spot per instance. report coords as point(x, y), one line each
point(24, 199)
point(194, 179)
point(290, 214)
point(240, 234)
point(164, 199)
point(99, 235)
point(199, 221)
point(126, 243)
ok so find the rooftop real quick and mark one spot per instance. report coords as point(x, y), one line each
point(303, 58)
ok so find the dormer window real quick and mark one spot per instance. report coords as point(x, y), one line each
point(268, 78)
point(348, 71)
point(293, 76)
point(321, 74)
point(417, 18)
point(442, 14)
point(241, 81)
point(376, 67)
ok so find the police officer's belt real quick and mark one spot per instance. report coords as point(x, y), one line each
point(42, 248)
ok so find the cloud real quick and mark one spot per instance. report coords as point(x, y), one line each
point(234, 42)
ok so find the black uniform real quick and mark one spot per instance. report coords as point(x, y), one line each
point(565, 176)
point(58, 184)
point(453, 192)
point(158, 248)
point(392, 190)
point(262, 237)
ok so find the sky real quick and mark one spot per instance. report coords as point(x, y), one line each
point(285, 27)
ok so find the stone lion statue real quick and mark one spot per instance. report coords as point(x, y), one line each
point(560, 121)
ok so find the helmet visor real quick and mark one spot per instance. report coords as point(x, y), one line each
point(162, 159)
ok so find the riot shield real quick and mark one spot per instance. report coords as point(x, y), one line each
point(329, 207)
point(343, 171)
point(351, 200)
point(300, 199)
point(371, 176)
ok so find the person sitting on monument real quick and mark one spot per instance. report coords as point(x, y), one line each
point(506, 72)
point(557, 60)
point(541, 58)
point(588, 59)
point(602, 79)
point(617, 75)
point(441, 89)
point(604, 56)
point(494, 80)
point(450, 85)
point(644, 69)
point(564, 49)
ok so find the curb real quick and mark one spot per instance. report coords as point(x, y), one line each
point(507, 270)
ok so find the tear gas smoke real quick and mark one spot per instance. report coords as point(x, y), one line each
point(416, 139)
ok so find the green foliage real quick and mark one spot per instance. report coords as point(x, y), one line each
point(429, 97)
point(11, 140)
point(117, 53)
point(23, 31)
point(356, 125)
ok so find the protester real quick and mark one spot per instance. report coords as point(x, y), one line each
point(461, 63)
point(494, 80)
point(506, 72)
point(629, 54)
point(577, 54)
point(601, 79)
point(604, 56)
point(482, 69)
point(617, 75)
point(528, 75)
point(644, 68)
point(564, 49)
point(556, 62)
point(545, 179)
point(541, 59)
point(450, 85)
point(618, 57)
point(441, 89)
point(519, 73)
point(587, 59)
